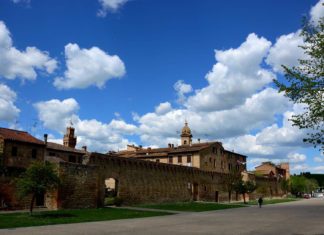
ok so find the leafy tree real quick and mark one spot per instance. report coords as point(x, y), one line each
point(300, 184)
point(285, 185)
point(37, 180)
point(230, 180)
point(305, 84)
point(242, 187)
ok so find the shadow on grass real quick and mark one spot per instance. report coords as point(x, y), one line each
point(54, 216)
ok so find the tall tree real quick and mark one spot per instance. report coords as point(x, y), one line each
point(38, 179)
point(243, 188)
point(230, 179)
point(305, 84)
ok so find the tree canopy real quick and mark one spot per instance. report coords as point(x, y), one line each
point(37, 180)
point(304, 83)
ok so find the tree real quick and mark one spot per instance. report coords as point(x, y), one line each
point(285, 185)
point(242, 187)
point(300, 184)
point(230, 180)
point(38, 179)
point(305, 84)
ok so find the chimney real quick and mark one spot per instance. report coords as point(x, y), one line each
point(198, 140)
point(170, 145)
point(84, 148)
point(45, 138)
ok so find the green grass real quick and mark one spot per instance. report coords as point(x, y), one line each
point(191, 206)
point(270, 201)
point(13, 220)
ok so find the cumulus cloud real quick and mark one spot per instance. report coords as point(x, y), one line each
point(296, 157)
point(163, 108)
point(182, 89)
point(317, 12)
point(236, 76)
point(57, 115)
point(109, 6)
point(8, 110)
point(89, 67)
point(286, 51)
point(22, 64)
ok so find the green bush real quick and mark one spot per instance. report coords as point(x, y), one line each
point(109, 201)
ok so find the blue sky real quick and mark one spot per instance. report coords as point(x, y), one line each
point(132, 71)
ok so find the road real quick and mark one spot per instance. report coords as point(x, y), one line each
point(297, 218)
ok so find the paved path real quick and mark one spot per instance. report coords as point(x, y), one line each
point(297, 218)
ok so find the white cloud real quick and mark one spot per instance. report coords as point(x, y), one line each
point(110, 6)
point(56, 115)
point(317, 12)
point(296, 157)
point(319, 158)
point(299, 167)
point(236, 76)
point(8, 110)
point(286, 51)
point(87, 67)
point(318, 169)
point(182, 89)
point(22, 64)
point(21, 1)
point(163, 108)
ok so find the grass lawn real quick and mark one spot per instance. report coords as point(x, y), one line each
point(271, 201)
point(191, 206)
point(13, 220)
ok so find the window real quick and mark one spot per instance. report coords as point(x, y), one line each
point(14, 151)
point(210, 160)
point(34, 153)
point(179, 159)
point(170, 160)
point(229, 166)
point(188, 159)
point(205, 188)
point(214, 163)
point(184, 142)
point(80, 159)
point(237, 167)
point(72, 158)
point(157, 160)
point(214, 150)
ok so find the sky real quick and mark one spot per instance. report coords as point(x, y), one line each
point(132, 71)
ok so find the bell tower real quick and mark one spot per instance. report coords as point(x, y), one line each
point(69, 139)
point(186, 136)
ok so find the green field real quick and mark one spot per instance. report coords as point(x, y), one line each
point(13, 220)
point(191, 206)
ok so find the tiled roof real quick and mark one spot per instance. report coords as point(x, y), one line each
point(21, 136)
point(61, 147)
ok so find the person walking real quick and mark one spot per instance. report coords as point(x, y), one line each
point(260, 201)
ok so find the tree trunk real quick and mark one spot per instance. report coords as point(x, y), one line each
point(244, 198)
point(32, 204)
point(229, 196)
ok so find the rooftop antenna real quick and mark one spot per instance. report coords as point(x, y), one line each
point(71, 123)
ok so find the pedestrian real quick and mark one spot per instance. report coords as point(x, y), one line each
point(260, 201)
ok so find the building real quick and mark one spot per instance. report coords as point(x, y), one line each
point(66, 152)
point(269, 169)
point(209, 156)
point(18, 149)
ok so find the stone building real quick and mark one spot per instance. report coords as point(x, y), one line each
point(209, 156)
point(269, 169)
point(66, 152)
point(18, 149)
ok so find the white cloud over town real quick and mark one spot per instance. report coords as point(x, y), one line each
point(58, 114)
point(22, 64)
point(8, 111)
point(109, 6)
point(317, 11)
point(89, 67)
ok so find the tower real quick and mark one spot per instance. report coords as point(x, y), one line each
point(69, 139)
point(186, 136)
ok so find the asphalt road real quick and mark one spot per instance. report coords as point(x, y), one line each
point(297, 218)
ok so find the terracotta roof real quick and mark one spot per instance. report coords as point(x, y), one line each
point(21, 136)
point(61, 147)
